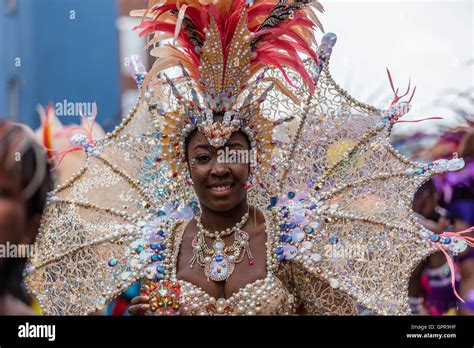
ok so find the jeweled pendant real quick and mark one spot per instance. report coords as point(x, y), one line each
point(219, 268)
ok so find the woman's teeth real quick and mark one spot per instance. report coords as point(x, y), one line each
point(220, 188)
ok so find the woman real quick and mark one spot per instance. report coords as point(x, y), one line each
point(223, 200)
point(321, 220)
point(24, 182)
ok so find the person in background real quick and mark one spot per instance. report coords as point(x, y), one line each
point(458, 199)
point(430, 285)
point(25, 180)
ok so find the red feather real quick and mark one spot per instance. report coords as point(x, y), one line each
point(291, 63)
point(278, 46)
point(267, 58)
point(260, 10)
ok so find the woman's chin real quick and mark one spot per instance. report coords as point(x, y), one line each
point(222, 203)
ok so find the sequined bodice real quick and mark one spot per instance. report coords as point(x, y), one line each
point(266, 296)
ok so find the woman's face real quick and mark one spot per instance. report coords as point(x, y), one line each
point(219, 185)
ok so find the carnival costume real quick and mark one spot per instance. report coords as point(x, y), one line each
point(326, 178)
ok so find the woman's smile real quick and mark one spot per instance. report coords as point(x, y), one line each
point(222, 188)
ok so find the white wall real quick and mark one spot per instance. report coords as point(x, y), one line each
point(429, 41)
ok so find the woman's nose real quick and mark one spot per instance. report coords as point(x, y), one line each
point(219, 169)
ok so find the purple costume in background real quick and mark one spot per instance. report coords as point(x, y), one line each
point(457, 189)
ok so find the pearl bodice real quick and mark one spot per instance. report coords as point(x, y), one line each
point(266, 296)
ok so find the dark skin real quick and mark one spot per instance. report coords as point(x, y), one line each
point(467, 273)
point(425, 205)
point(16, 228)
point(219, 211)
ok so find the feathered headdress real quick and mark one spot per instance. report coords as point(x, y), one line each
point(223, 44)
point(224, 48)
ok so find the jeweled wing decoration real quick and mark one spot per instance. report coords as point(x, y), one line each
point(83, 248)
point(361, 235)
point(357, 192)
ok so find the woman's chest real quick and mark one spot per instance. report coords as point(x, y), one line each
point(246, 268)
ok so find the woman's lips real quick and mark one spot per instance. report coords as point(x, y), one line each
point(222, 190)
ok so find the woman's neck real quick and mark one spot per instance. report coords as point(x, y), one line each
point(220, 220)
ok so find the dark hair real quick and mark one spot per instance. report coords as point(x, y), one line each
point(33, 172)
point(428, 186)
point(187, 141)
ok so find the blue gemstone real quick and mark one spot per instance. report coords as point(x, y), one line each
point(161, 233)
point(139, 249)
point(155, 257)
point(196, 211)
point(283, 227)
point(291, 195)
point(193, 204)
point(159, 275)
point(386, 119)
point(292, 225)
point(154, 246)
point(219, 258)
point(435, 238)
point(161, 257)
point(286, 214)
point(447, 240)
point(162, 247)
point(281, 257)
point(279, 250)
point(419, 170)
point(160, 269)
point(309, 229)
point(333, 240)
point(283, 237)
point(288, 238)
point(112, 262)
point(161, 213)
point(195, 121)
point(273, 200)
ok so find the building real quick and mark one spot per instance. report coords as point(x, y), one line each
point(56, 51)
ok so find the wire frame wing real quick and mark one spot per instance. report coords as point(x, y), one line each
point(359, 194)
point(82, 257)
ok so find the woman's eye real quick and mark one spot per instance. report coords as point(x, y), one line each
point(203, 158)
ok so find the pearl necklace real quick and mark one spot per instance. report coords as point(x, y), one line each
point(219, 261)
point(223, 233)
